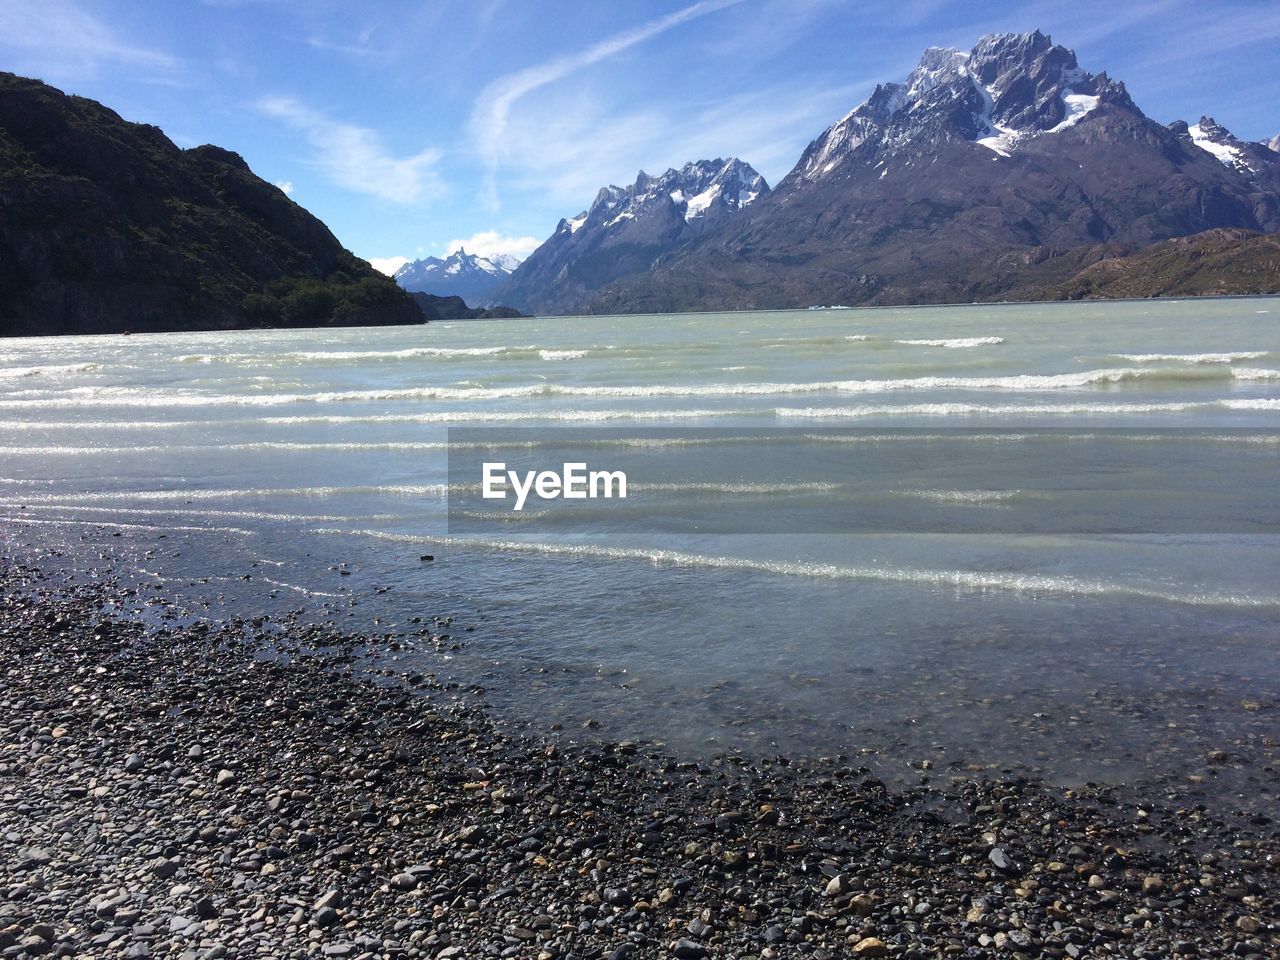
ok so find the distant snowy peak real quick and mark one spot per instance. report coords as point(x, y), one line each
point(1008, 89)
point(1274, 144)
point(697, 190)
point(458, 264)
point(462, 274)
point(1215, 139)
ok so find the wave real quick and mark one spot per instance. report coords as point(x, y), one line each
point(734, 488)
point(562, 354)
point(408, 353)
point(1191, 357)
point(962, 496)
point(1026, 382)
point(987, 409)
point(49, 370)
point(77, 507)
point(164, 528)
point(1257, 403)
point(284, 445)
point(113, 496)
point(976, 580)
point(523, 418)
point(955, 343)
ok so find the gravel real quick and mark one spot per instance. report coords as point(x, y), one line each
point(247, 790)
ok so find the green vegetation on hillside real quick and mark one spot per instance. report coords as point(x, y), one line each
point(107, 226)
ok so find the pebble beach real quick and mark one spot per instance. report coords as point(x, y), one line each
point(256, 789)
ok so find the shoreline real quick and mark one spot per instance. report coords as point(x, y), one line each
point(249, 789)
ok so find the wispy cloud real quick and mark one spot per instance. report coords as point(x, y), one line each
point(566, 152)
point(491, 243)
point(493, 107)
point(354, 158)
point(362, 48)
point(59, 40)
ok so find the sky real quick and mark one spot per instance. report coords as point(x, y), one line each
point(413, 128)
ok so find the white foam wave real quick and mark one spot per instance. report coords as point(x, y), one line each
point(962, 496)
point(1191, 357)
point(75, 506)
point(184, 495)
point(1026, 382)
point(48, 370)
point(975, 580)
point(985, 409)
point(562, 354)
point(734, 488)
point(263, 445)
point(1257, 403)
point(308, 591)
point(954, 343)
point(164, 528)
point(409, 353)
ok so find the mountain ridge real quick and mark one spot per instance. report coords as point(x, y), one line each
point(630, 229)
point(462, 274)
point(958, 184)
point(108, 226)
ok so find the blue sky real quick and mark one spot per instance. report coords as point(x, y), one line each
point(411, 126)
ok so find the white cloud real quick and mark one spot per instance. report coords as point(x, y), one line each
point(490, 243)
point(387, 265)
point(59, 40)
point(492, 111)
point(286, 186)
point(353, 157)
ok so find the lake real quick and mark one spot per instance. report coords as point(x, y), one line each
point(259, 472)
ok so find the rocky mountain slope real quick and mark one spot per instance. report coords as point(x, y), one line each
point(627, 230)
point(1223, 261)
point(959, 184)
point(460, 274)
point(107, 226)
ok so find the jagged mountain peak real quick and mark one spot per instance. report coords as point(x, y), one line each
point(1007, 90)
point(1214, 138)
point(1274, 144)
point(630, 229)
point(728, 184)
point(467, 275)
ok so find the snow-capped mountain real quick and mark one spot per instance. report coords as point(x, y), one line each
point(628, 229)
point(1008, 90)
point(984, 174)
point(1242, 156)
point(460, 274)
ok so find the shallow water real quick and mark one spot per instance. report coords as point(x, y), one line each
point(284, 455)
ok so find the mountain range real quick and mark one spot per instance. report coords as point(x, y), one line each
point(627, 230)
point(460, 274)
point(108, 226)
point(989, 174)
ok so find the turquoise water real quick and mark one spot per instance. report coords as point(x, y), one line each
point(292, 457)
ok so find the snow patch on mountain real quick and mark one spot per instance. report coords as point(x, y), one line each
point(1009, 89)
point(697, 206)
point(694, 190)
point(1215, 139)
point(462, 274)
